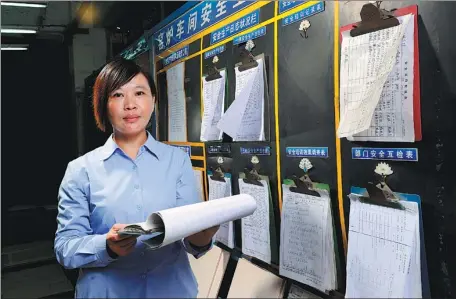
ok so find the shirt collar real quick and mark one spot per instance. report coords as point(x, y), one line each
point(110, 146)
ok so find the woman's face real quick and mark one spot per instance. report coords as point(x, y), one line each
point(130, 107)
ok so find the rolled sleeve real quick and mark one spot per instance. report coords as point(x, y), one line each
point(197, 252)
point(75, 245)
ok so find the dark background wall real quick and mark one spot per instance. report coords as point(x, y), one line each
point(37, 134)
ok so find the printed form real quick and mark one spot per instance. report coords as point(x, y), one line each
point(244, 119)
point(214, 102)
point(177, 118)
point(217, 189)
point(376, 84)
point(382, 251)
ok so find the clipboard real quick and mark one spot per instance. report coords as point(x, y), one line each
point(413, 9)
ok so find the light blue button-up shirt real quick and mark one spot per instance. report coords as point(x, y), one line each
point(105, 187)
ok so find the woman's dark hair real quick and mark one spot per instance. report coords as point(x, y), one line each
point(115, 74)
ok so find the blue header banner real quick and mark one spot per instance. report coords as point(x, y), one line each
point(260, 151)
point(287, 5)
point(248, 36)
point(394, 154)
point(214, 52)
point(304, 13)
point(241, 24)
point(179, 54)
point(307, 152)
point(200, 17)
point(140, 47)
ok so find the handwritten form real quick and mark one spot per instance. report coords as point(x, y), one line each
point(307, 240)
point(382, 246)
point(256, 238)
point(374, 68)
point(199, 183)
point(244, 119)
point(177, 119)
point(217, 189)
point(214, 102)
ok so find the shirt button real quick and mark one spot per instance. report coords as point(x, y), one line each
point(143, 253)
point(136, 186)
point(138, 207)
point(134, 167)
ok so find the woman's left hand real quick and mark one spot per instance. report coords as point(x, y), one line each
point(204, 237)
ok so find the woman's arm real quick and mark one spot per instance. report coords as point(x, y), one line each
point(187, 193)
point(75, 244)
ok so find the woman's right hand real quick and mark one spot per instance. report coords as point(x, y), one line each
point(120, 245)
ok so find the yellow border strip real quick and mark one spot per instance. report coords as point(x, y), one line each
point(196, 144)
point(336, 118)
point(199, 158)
point(276, 104)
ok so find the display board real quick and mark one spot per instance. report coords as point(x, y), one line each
point(300, 43)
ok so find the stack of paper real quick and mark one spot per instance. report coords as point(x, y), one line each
point(244, 119)
point(219, 189)
point(199, 183)
point(383, 259)
point(376, 84)
point(213, 101)
point(256, 235)
point(177, 116)
point(307, 239)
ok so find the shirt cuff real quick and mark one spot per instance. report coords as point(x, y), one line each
point(101, 251)
point(197, 252)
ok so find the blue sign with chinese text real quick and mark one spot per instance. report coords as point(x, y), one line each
point(261, 150)
point(245, 22)
point(200, 17)
point(214, 52)
point(307, 152)
point(396, 154)
point(304, 13)
point(287, 5)
point(181, 53)
point(248, 36)
point(185, 148)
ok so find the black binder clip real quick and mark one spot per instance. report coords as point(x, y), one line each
point(373, 18)
point(381, 194)
point(304, 185)
point(251, 176)
point(212, 73)
point(247, 60)
point(218, 173)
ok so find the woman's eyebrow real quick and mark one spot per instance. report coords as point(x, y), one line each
point(141, 86)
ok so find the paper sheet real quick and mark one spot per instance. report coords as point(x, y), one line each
point(307, 240)
point(187, 220)
point(244, 119)
point(366, 63)
point(225, 234)
point(381, 243)
point(214, 103)
point(256, 238)
point(299, 293)
point(251, 281)
point(177, 118)
point(199, 182)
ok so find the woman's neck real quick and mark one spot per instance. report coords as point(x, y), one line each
point(130, 144)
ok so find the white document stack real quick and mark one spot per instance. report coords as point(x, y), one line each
point(383, 259)
point(307, 240)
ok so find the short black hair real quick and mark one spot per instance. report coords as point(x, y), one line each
point(113, 75)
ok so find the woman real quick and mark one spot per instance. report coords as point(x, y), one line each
point(122, 182)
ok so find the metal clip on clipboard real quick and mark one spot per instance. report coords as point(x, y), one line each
point(381, 195)
point(252, 177)
point(304, 185)
point(373, 18)
point(212, 73)
point(217, 174)
point(247, 60)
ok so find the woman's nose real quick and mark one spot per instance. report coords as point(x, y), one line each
point(130, 102)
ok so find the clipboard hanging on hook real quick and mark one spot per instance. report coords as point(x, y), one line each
point(373, 18)
point(252, 177)
point(304, 185)
point(212, 73)
point(247, 60)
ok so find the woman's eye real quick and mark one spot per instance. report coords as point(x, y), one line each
point(116, 95)
point(139, 93)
